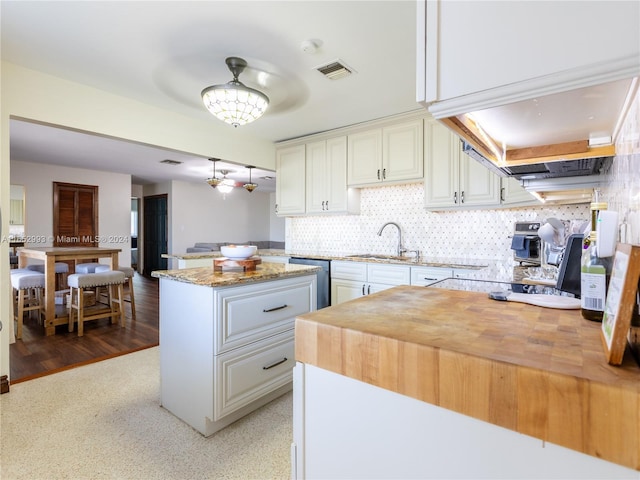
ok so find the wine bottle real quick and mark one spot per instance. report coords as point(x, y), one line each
point(595, 272)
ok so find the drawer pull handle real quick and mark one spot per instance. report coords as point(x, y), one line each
point(266, 310)
point(274, 364)
point(427, 278)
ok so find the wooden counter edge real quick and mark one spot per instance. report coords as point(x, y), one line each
point(587, 416)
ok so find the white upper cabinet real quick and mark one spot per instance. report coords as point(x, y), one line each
point(326, 182)
point(392, 153)
point(490, 53)
point(365, 157)
point(290, 186)
point(452, 178)
point(512, 193)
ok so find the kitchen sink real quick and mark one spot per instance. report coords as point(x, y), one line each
point(371, 256)
point(395, 258)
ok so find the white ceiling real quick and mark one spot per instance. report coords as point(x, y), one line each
point(165, 53)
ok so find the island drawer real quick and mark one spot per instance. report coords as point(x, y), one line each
point(250, 372)
point(251, 312)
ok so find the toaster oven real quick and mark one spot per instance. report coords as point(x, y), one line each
point(526, 243)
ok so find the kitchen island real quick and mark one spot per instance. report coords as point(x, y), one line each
point(416, 382)
point(227, 339)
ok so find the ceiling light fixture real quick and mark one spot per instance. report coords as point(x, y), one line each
point(250, 187)
point(226, 184)
point(213, 181)
point(234, 103)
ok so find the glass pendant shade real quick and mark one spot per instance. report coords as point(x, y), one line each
point(234, 103)
point(226, 186)
point(250, 187)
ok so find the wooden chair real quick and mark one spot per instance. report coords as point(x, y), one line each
point(27, 295)
point(128, 291)
point(81, 282)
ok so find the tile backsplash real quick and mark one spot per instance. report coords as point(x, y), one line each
point(461, 234)
point(623, 191)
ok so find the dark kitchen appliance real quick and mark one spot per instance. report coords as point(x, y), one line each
point(569, 271)
point(324, 292)
point(526, 243)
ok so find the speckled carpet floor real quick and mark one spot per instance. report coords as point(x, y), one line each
point(104, 421)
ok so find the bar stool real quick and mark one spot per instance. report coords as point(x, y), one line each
point(87, 267)
point(128, 275)
point(61, 269)
point(27, 287)
point(79, 282)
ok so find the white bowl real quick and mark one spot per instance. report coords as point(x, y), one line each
point(238, 252)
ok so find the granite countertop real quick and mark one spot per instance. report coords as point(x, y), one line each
point(460, 263)
point(206, 276)
point(538, 371)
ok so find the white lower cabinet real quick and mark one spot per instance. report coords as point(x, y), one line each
point(226, 351)
point(345, 428)
point(351, 280)
point(424, 276)
point(249, 372)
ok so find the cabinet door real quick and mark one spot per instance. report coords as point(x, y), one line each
point(605, 39)
point(337, 199)
point(424, 276)
point(318, 175)
point(403, 152)
point(376, 287)
point(290, 187)
point(248, 373)
point(364, 157)
point(441, 166)
point(345, 290)
point(388, 274)
point(514, 193)
point(478, 184)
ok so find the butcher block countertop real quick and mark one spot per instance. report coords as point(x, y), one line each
point(207, 277)
point(538, 371)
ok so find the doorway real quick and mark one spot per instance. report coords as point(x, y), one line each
point(156, 233)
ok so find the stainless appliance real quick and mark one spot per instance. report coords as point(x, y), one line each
point(324, 292)
point(526, 244)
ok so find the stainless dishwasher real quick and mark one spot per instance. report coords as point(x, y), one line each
point(324, 292)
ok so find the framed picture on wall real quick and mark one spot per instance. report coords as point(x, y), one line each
point(620, 302)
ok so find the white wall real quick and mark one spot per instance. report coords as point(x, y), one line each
point(114, 203)
point(277, 225)
point(199, 213)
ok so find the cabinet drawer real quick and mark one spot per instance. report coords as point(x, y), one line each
point(247, 373)
point(356, 271)
point(251, 312)
point(388, 274)
point(428, 275)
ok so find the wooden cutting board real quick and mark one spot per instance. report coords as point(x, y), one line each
point(539, 299)
point(246, 264)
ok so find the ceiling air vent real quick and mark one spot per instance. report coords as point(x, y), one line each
point(335, 70)
point(170, 162)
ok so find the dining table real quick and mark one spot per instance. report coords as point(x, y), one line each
point(51, 255)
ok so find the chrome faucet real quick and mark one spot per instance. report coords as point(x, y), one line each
point(401, 249)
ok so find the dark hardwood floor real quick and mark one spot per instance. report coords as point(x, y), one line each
point(36, 355)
